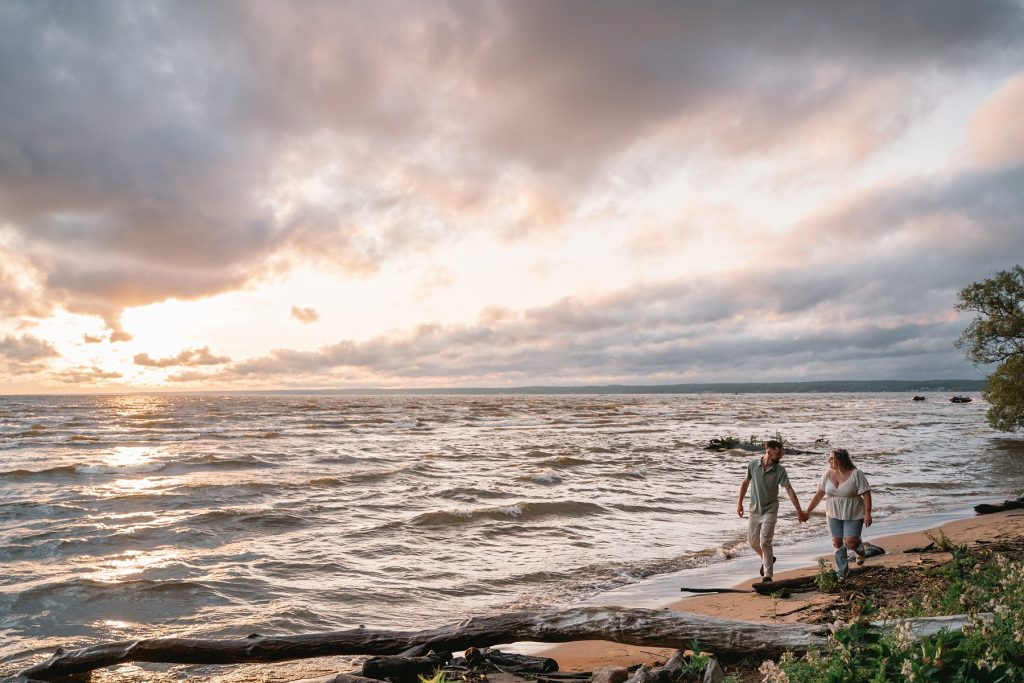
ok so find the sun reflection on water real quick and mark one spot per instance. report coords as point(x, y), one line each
point(133, 562)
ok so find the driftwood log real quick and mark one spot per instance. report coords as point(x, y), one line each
point(726, 638)
point(987, 509)
point(516, 663)
point(337, 678)
point(404, 669)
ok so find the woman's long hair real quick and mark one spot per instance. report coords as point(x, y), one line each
point(842, 457)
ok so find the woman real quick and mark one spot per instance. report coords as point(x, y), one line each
point(848, 506)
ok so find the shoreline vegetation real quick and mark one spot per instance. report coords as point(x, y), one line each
point(971, 568)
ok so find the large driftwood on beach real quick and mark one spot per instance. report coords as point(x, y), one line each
point(726, 638)
point(987, 508)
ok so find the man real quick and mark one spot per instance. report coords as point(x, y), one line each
point(767, 475)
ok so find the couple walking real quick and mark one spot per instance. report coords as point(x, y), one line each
point(847, 497)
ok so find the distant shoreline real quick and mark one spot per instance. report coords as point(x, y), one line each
point(811, 387)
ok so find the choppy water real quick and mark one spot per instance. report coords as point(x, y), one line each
point(146, 515)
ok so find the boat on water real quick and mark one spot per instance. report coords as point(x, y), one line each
point(960, 399)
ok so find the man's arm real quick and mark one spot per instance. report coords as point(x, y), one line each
point(800, 516)
point(743, 494)
point(867, 507)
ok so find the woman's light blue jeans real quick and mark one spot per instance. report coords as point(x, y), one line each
point(841, 528)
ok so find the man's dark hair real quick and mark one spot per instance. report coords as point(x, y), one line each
point(772, 443)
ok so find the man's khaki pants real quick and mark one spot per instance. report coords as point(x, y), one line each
point(760, 533)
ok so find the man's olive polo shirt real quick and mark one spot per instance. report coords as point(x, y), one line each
point(764, 486)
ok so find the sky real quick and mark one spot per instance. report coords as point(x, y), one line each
point(217, 195)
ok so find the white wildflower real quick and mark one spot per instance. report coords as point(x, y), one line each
point(772, 673)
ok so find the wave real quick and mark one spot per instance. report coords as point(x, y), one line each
point(136, 468)
point(565, 461)
point(925, 485)
point(517, 511)
point(217, 462)
point(60, 470)
point(249, 518)
point(548, 476)
point(163, 598)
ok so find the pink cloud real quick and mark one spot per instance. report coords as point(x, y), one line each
point(996, 134)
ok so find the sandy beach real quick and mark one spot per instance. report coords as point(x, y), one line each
point(979, 530)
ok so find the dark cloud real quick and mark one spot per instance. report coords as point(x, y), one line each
point(143, 146)
point(187, 357)
point(571, 82)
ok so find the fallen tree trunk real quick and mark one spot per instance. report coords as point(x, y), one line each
point(652, 628)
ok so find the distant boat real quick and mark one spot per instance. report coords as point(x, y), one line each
point(919, 398)
point(960, 399)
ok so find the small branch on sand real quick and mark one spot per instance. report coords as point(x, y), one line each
point(715, 590)
point(800, 583)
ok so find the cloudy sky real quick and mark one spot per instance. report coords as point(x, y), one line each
point(204, 195)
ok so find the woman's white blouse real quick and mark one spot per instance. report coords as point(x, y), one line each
point(844, 501)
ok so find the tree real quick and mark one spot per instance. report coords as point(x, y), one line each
point(996, 335)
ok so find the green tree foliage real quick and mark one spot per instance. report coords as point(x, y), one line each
point(996, 335)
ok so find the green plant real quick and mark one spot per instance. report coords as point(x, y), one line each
point(438, 677)
point(827, 580)
point(986, 586)
point(940, 539)
point(695, 663)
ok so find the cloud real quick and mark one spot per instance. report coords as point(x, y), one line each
point(187, 357)
point(25, 350)
point(172, 150)
point(865, 289)
point(996, 136)
point(86, 375)
point(90, 339)
point(189, 376)
point(571, 83)
point(672, 332)
point(305, 315)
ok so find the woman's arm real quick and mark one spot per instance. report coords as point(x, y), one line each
point(819, 494)
point(867, 507)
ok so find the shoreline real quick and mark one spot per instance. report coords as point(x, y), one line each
point(589, 654)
